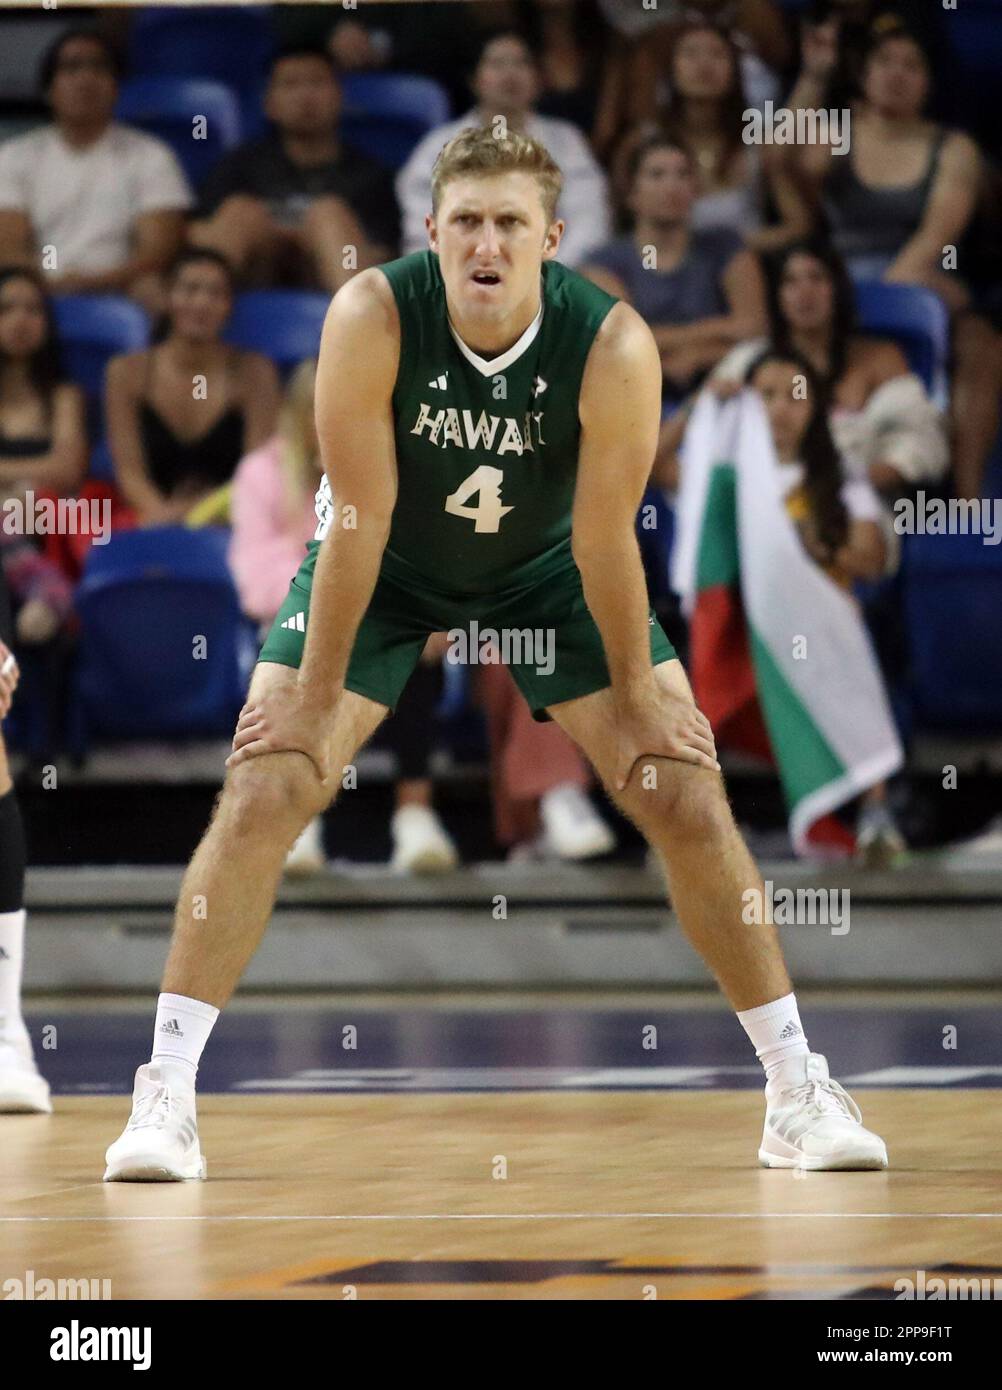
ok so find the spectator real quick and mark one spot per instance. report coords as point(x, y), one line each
point(896, 204)
point(42, 434)
point(838, 521)
point(97, 205)
point(182, 413)
point(705, 111)
point(539, 780)
point(273, 519)
point(285, 209)
point(506, 84)
point(701, 291)
point(884, 425)
point(569, 39)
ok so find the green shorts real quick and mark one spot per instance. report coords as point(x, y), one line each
point(543, 632)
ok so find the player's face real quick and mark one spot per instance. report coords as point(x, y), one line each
point(896, 79)
point(199, 302)
point(491, 235)
point(664, 187)
point(805, 294)
point(776, 383)
point(505, 79)
point(303, 97)
point(22, 318)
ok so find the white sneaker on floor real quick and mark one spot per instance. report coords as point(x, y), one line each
point(421, 843)
point(160, 1142)
point(23, 1090)
point(572, 827)
point(307, 855)
point(811, 1122)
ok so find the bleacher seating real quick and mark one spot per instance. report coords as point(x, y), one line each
point(917, 319)
point(165, 651)
point(92, 329)
point(953, 603)
point(168, 107)
point(231, 44)
point(283, 324)
point(386, 114)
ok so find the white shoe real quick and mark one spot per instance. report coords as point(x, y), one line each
point(23, 1090)
point(811, 1122)
point(421, 843)
point(307, 855)
point(160, 1142)
point(572, 827)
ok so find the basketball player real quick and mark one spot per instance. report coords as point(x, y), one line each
point(488, 420)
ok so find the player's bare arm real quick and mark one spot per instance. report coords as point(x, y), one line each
point(356, 371)
point(620, 408)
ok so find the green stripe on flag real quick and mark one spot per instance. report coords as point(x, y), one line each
point(717, 557)
point(804, 758)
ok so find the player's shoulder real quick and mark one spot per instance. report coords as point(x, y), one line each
point(366, 300)
point(623, 335)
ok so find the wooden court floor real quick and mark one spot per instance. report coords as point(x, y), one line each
point(530, 1195)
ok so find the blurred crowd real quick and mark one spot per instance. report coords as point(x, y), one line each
point(749, 261)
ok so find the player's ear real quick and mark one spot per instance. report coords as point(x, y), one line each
point(552, 242)
point(432, 229)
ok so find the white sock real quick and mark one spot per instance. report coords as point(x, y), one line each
point(775, 1032)
point(12, 1028)
point(180, 1033)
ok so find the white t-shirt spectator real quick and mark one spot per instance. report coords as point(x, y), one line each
point(584, 202)
point(84, 202)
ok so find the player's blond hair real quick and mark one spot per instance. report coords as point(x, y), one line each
point(478, 151)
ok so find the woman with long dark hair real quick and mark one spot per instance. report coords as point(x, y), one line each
point(738, 183)
point(182, 413)
point(885, 426)
point(43, 442)
point(838, 521)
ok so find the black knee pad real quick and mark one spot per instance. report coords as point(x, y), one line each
point(13, 854)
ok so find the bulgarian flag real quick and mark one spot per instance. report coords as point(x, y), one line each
point(781, 663)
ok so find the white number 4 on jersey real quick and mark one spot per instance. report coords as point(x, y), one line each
point(488, 512)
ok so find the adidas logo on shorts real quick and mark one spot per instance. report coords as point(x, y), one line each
point(297, 623)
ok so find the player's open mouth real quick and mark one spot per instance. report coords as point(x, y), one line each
point(486, 277)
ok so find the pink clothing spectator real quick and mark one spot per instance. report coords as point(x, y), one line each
point(268, 542)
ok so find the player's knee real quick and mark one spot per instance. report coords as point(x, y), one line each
point(686, 803)
point(273, 795)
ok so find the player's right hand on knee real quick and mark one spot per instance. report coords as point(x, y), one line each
point(282, 721)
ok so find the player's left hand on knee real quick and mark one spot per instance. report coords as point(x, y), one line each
point(662, 725)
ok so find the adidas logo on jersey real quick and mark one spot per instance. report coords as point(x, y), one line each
point(791, 1031)
point(297, 623)
point(440, 382)
point(172, 1028)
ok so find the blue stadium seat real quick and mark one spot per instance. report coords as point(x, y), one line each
point(93, 328)
point(386, 114)
point(918, 319)
point(953, 599)
point(167, 106)
point(227, 43)
point(144, 600)
point(283, 324)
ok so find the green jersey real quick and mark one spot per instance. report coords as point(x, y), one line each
point(487, 451)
